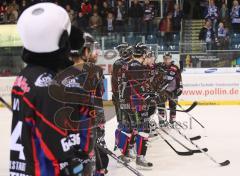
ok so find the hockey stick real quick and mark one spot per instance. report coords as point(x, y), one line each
point(194, 104)
point(5, 103)
point(225, 163)
point(176, 140)
point(192, 138)
point(114, 156)
point(188, 113)
point(188, 153)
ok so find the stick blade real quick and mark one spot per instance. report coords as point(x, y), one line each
point(195, 103)
point(188, 153)
point(199, 151)
point(195, 138)
point(225, 163)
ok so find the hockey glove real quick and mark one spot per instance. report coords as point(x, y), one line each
point(100, 135)
point(179, 91)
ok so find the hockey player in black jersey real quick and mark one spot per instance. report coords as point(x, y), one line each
point(137, 84)
point(173, 90)
point(123, 133)
point(119, 67)
point(44, 140)
point(84, 58)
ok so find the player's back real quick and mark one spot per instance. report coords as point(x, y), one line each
point(42, 133)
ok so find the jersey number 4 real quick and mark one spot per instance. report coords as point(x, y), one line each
point(16, 134)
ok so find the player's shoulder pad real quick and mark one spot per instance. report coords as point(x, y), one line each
point(134, 63)
point(117, 63)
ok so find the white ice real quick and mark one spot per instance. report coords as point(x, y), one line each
point(221, 136)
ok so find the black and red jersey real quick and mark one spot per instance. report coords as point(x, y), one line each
point(53, 113)
point(174, 76)
point(137, 84)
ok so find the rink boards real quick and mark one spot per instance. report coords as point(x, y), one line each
point(210, 86)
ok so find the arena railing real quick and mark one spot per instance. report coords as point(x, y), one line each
point(195, 55)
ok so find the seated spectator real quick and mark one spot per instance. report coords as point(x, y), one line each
point(109, 25)
point(207, 35)
point(212, 14)
point(12, 15)
point(3, 12)
point(81, 21)
point(95, 8)
point(165, 27)
point(177, 18)
point(120, 14)
point(136, 15)
point(86, 8)
point(95, 23)
point(223, 39)
point(14, 6)
point(104, 10)
point(70, 12)
point(235, 16)
point(224, 14)
point(148, 17)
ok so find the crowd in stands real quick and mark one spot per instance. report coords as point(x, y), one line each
point(106, 16)
point(219, 21)
point(117, 16)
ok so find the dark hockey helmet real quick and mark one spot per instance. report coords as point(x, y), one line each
point(140, 49)
point(121, 48)
point(128, 52)
point(76, 41)
point(80, 40)
point(90, 42)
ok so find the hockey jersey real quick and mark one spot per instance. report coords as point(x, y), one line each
point(173, 76)
point(52, 114)
point(137, 79)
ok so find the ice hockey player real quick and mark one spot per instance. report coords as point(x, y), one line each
point(149, 61)
point(84, 58)
point(123, 134)
point(174, 88)
point(119, 67)
point(135, 95)
point(42, 140)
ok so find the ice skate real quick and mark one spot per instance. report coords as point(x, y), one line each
point(142, 163)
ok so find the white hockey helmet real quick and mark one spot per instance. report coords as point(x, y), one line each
point(42, 27)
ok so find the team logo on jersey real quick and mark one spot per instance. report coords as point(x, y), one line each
point(44, 80)
point(172, 73)
point(71, 82)
point(22, 83)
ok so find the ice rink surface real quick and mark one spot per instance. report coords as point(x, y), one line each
point(221, 136)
